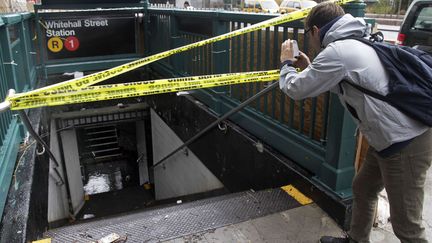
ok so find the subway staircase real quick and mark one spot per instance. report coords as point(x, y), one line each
point(101, 143)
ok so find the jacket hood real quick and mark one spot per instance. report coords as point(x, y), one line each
point(344, 27)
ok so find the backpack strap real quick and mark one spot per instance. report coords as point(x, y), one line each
point(368, 92)
point(375, 37)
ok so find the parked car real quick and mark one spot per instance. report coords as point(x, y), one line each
point(416, 28)
point(257, 6)
point(288, 6)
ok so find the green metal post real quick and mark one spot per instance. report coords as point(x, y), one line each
point(145, 29)
point(3, 87)
point(24, 52)
point(175, 40)
point(31, 51)
point(356, 9)
point(220, 58)
point(337, 171)
point(145, 4)
point(221, 49)
point(42, 49)
point(8, 57)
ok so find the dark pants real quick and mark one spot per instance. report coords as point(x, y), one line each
point(403, 176)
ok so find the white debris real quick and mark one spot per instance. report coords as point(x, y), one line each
point(109, 238)
point(383, 211)
point(179, 201)
point(118, 180)
point(27, 138)
point(259, 146)
point(75, 74)
point(88, 216)
point(180, 93)
point(97, 183)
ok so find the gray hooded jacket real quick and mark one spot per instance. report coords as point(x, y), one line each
point(381, 124)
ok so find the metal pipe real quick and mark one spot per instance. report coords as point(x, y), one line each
point(27, 124)
point(5, 105)
point(225, 116)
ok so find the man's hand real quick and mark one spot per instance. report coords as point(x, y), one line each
point(287, 51)
point(302, 61)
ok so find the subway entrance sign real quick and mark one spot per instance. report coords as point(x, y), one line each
point(78, 35)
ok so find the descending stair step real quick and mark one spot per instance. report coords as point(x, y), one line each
point(101, 144)
point(108, 156)
point(98, 127)
point(101, 138)
point(106, 150)
point(184, 219)
point(101, 132)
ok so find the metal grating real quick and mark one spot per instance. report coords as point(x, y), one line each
point(100, 118)
point(172, 222)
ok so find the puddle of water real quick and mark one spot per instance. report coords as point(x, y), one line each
point(101, 182)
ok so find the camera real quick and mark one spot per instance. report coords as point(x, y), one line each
point(295, 49)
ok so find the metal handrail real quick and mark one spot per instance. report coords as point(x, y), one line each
point(219, 120)
point(5, 105)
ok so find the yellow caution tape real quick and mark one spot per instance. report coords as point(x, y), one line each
point(152, 84)
point(48, 240)
point(95, 78)
point(127, 90)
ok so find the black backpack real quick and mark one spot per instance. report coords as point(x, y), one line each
point(410, 78)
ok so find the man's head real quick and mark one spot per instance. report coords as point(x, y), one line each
point(319, 16)
point(186, 4)
point(322, 14)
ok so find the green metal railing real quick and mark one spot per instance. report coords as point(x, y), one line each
point(316, 133)
point(255, 51)
point(17, 71)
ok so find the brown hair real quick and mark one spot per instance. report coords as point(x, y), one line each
point(323, 13)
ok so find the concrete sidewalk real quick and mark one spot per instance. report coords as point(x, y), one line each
point(386, 19)
point(300, 225)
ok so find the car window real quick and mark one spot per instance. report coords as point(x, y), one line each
point(307, 4)
point(250, 4)
point(290, 5)
point(269, 5)
point(424, 19)
point(297, 5)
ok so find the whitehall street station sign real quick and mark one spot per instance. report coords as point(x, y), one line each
point(72, 36)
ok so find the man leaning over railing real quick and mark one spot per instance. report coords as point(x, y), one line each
point(401, 147)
